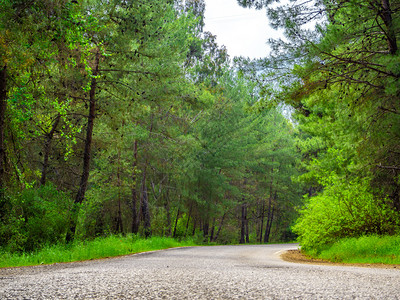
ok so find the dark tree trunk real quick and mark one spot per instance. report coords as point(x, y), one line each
point(219, 228)
point(262, 221)
point(243, 225)
point(168, 211)
point(144, 203)
point(270, 224)
point(269, 214)
point(247, 228)
point(395, 195)
point(3, 107)
point(120, 228)
point(212, 230)
point(194, 227)
point(135, 219)
point(188, 220)
point(176, 222)
point(80, 196)
point(47, 148)
point(386, 15)
point(206, 227)
point(269, 221)
point(270, 218)
point(145, 206)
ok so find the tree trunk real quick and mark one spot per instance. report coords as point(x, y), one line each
point(135, 219)
point(80, 196)
point(206, 227)
point(120, 228)
point(3, 107)
point(176, 222)
point(188, 220)
point(194, 226)
point(262, 221)
point(269, 221)
point(212, 230)
point(386, 15)
point(168, 211)
point(145, 206)
point(269, 215)
point(219, 228)
point(47, 149)
point(144, 203)
point(270, 218)
point(247, 228)
point(243, 225)
point(395, 196)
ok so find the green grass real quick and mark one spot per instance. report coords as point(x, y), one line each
point(366, 250)
point(99, 248)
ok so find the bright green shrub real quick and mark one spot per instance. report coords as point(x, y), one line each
point(343, 209)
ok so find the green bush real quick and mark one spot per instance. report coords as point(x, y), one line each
point(35, 217)
point(343, 209)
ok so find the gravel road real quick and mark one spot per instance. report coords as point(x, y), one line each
point(220, 272)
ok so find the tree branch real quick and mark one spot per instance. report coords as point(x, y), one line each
point(388, 167)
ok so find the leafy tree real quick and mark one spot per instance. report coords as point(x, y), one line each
point(136, 112)
point(143, 79)
point(342, 79)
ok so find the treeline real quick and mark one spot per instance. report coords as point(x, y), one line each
point(342, 79)
point(126, 117)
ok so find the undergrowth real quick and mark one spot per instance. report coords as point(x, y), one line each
point(87, 250)
point(371, 249)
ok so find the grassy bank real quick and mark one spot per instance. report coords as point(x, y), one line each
point(98, 248)
point(367, 250)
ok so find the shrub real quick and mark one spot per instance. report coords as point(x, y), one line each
point(36, 217)
point(343, 209)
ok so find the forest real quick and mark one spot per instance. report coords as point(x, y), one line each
point(125, 117)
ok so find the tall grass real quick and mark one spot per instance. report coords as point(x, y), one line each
point(372, 249)
point(88, 250)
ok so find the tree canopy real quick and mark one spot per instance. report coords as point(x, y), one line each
point(126, 117)
point(342, 79)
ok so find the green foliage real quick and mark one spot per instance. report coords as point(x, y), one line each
point(342, 79)
point(175, 128)
point(35, 217)
point(345, 208)
point(368, 249)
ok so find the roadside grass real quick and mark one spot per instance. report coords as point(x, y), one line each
point(88, 250)
point(371, 249)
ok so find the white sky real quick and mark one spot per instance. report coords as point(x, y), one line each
point(243, 31)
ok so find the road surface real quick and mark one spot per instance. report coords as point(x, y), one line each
point(220, 272)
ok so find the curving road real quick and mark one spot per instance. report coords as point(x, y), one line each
point(220, 272)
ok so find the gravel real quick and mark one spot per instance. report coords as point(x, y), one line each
point(219, 272)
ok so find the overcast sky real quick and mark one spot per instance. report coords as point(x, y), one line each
point(243, 31)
